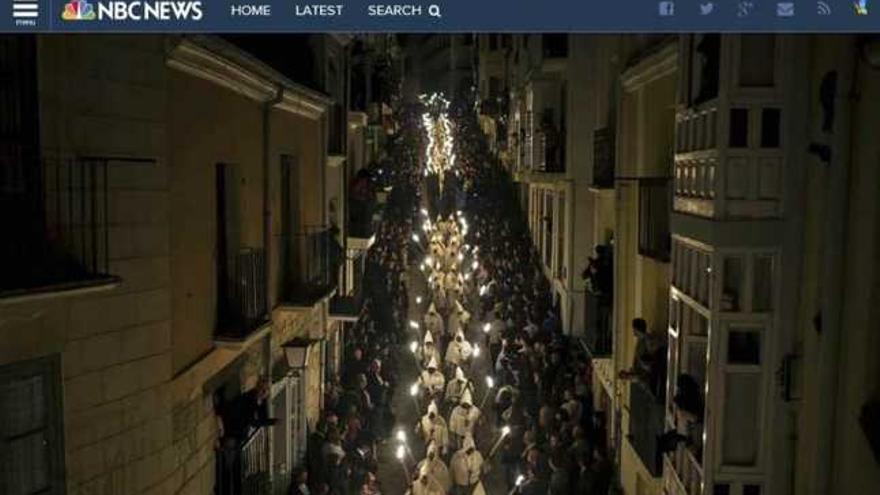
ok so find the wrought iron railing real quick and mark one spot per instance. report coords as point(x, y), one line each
point(597, 331)
point(243, 469)
point(55, 217)
point(243, 307)
point(311, 261)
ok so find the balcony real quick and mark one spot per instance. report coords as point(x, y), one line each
point(645, 426)
point(597, 331)
point(603, 158)
point(550, 151)
point(55, 216)
point(244, 469)
point(686, 470)
point(242, 307)
point(310, 259)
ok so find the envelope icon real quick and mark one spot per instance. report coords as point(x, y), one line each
point(785, 9)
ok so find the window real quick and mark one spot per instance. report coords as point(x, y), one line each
point(739, 128)
point(751, 489)
point(654, 206)
point(721, 489)
point(733, 281)
point(771, 119)
point(705, 67)
point(743, 347)
point(31, 452)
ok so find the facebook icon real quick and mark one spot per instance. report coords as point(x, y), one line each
point(666, 9)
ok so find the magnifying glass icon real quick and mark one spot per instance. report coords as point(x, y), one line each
point(434, 10)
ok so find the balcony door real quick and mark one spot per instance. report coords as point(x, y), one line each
point(290, 220)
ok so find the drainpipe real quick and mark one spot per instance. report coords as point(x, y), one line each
point(833, 266)
point(345, 169)
point(267, 217)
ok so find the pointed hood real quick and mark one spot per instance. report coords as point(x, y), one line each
point(466, 397)
point(432, 448)
point(459, 374)
point(429, 338)
point(459, 307)
point(432, 408)
point(432, 308)
point(432, 363)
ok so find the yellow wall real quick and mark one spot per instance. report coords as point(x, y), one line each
point(208, 125)
point(641, 283)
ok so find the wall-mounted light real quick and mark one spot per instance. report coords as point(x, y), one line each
point(296, 352)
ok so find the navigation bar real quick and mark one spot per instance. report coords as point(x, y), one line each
point(439, 16)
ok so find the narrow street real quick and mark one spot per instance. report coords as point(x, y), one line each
point(395, 474)
point(391, 472)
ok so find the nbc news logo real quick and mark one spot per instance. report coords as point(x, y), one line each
point(25, 12)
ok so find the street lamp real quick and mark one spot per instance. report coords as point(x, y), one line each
point(296, 352)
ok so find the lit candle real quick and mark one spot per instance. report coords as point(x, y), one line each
point(490, 384)
point(505, 430)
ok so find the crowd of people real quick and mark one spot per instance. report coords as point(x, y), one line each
point(500, 391)
point(342, 452)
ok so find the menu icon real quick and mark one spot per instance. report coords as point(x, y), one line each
point(25, 12)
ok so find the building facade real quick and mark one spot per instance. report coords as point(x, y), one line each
point(135, 334)
point(734, 201)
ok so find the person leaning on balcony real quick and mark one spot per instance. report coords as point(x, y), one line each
point(649, 361)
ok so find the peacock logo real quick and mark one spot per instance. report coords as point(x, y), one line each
point(861, 7)
point(78, 10)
